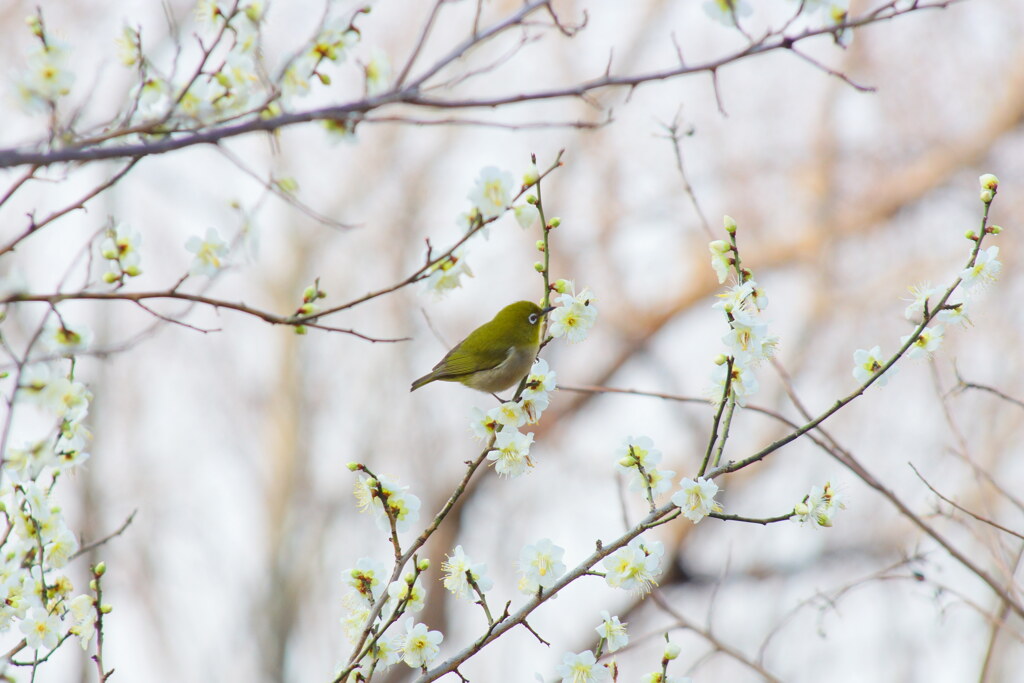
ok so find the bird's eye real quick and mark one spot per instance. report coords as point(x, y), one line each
point(533, 318)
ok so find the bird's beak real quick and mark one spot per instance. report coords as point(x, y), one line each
point(545, 311)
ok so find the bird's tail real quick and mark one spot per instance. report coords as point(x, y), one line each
point(425, 379)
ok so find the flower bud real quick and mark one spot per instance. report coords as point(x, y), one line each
point(531, 176)
point(730, 224)
point(627, 461)
point(106, 608)
point(993, 229)
point(562, 286)
point(671, 651)
point(354, 466)
point(531, 199)
point(989, 182)
point(539, 267)
point(301, 329)
point(35, 24)
point(801, 509)
point(987, 196)
point(540, 245)
point(721, 359)
point(100, 569)
point(133, 271)
point(554, 223)
point(719, 247)
point(423, 565)
point(971, 235)
point(409, 577)
point(92, 585)
point(110, 277)
point(309, 294)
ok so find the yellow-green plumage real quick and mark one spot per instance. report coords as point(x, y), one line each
point(495, 355)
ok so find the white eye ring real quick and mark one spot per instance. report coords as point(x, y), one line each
point(532, 318)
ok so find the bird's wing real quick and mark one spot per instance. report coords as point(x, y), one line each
point(461, 361)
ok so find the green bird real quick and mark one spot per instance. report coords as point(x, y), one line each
point(495, 355)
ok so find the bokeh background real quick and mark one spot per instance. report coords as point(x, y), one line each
point(231, 444)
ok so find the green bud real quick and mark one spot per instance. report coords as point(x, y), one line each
point(539, 267)
point(307, 309)
point(554, 223)
point(301, 329)
point(531, 199)
point(971, 235)
point(354, 466)
point(133, 271)
point(627, 461)
point(987, 196)
point(423, 565)
point(730, 224)
point(671, 651)
point(35, 24)
point(801, 508)
point(993, 229)
point(309, 294)
point(288, 185)
point(4, 375)
point(721, 359)
point(324, 78)
point(540, 245)
point(989, 182)
point(110, 277)
point(100, 569)
point(106, 608)
point(561, 286)
point(409, 578)
point(92, 585)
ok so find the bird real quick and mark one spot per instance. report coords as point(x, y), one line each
point(496, 355)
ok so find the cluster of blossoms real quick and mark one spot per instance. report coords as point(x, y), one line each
point(34, 595)
point(46, 77)
point(730, 12)
point(490, 197)
point(374, 493)
point(583, 667)
point(574, 314)
point(417, 646)
point(983, 270)
point(446, 274)
point(748, 340)
point(635, 566)
point(121, 248)
point(231, 80)
point(511, 448)
point(638, 458)
point(819, 506)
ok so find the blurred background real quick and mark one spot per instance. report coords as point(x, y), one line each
point(231, 444)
